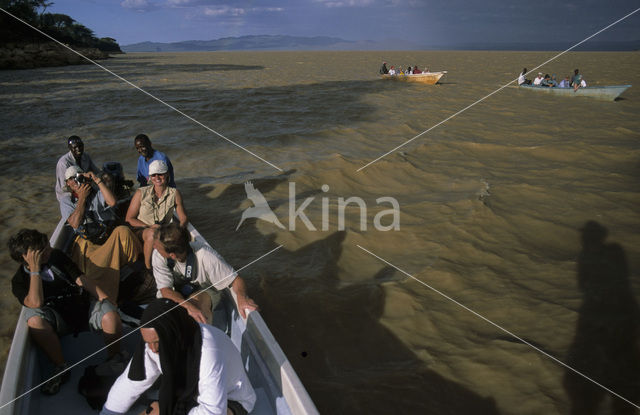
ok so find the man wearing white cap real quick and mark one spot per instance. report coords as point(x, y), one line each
point(98, 253)
point(538, 80)
point(75, 157)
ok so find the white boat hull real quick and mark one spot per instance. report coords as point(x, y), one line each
point(605, 93)
point(427, 78)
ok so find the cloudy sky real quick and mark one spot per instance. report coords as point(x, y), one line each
point(437, 22)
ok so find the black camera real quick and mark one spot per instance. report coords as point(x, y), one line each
point(80, 179)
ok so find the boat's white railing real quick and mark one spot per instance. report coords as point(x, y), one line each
point(19, 370)
point(253, 333)
point(15, 371)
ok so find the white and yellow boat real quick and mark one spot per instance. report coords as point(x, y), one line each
point(427, 78)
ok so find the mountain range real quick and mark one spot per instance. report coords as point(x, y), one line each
point(280, 42)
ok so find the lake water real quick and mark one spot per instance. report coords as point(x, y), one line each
point(493, 207)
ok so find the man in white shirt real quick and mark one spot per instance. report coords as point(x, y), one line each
point(202, 371)
point(538, 79)
point(183, 268)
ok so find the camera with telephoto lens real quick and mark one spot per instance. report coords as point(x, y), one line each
point(80, 179)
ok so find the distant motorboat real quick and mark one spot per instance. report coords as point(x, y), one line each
point(605, 93)
point(427, 78)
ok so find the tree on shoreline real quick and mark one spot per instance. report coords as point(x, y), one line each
point(59, 26)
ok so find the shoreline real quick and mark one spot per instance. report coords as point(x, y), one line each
point(46, 54)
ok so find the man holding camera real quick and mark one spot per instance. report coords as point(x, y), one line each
point(98, 251)
point(76, 156)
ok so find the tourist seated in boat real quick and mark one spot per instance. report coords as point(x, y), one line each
point(409, 71)
point(575, 79)
point(548, 81)
point(59, 300)
point(416, 70)
point(154, 205)
point(564, 83)
point(399, 71)
point(148, 155)
point(100, 248)
point(75, 157)
point(522, 80)
point(392, 71)
point(578, 82)
point(200, 369)
point(538, 79)
point(383, 69)
point(176, 258)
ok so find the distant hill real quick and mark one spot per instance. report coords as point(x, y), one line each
point(265, 42)
point(277, 42)
point(629, 45)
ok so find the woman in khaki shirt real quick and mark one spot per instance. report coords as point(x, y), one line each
point(154, 205)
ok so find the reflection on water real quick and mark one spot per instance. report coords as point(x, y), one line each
point(491, 204)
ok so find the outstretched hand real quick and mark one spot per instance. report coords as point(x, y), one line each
point(245, 303)
point(196, 314)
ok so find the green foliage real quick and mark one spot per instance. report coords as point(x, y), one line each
point(59, 26)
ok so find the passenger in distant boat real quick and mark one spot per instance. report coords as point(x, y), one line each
point(147, 155)
point(99, 251)
point(200, 369)
point(564, 83)
point(383, 69)
point(392, 71)
point(521, 78)
point(538, 80)
point(399, 71)
point(183, 267)
point(548, 81)
point(409, 70)
point(578, 82)
point(154, 205)
point(59, 300)
point(75, 157)
point(416, 70)
point(575, 79)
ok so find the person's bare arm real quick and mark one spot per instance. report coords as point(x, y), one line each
point(193, 311)
point(77, 217)
point(35, 296)
point(134, 210)
point(243, 301)
point(180, 210)
point(109, 198)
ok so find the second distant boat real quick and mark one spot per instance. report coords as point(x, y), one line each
point(427, 78)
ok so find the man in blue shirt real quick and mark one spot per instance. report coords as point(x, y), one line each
point(147, 155)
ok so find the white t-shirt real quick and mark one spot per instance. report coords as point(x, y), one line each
point(212, 269)
point(538, 80)
point(222, 378)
